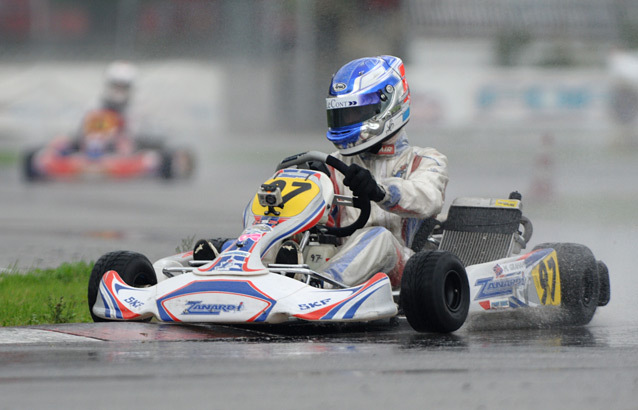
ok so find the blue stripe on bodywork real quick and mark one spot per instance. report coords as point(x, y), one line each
point(351, 312)
point(117, 312)
point(536, 256)
point(516, 303)
point(107, 311)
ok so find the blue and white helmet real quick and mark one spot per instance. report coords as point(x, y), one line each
point(368, 101)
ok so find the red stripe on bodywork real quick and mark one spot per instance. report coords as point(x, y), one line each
point(109, 278)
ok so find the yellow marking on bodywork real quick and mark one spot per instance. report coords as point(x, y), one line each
point(546, 276)
point(297, 194)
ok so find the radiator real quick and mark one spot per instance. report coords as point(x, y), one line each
point(479, 230)
point(476, 247)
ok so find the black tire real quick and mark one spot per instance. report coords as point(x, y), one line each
point(166, 168)
point(28, 171)
point(177, 164)
point(605, 290)
point(579, 283)
point(135, 269)
point(435, 292)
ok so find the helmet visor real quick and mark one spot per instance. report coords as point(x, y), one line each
point(342, 117)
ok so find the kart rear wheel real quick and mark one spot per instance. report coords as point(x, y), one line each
point(135, 269)
point(29, 172)
point(176, 164)
point(166, 167)
point(579, 282)
point(435, 292)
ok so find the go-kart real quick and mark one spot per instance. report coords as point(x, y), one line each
point(440, 283)
point(61, 160)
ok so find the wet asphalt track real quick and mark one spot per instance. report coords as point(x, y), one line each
point(378, 366)
point(382, 366)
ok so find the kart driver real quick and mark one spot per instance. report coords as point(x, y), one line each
point(104, 129)
point(119, 80)
point(368, 106)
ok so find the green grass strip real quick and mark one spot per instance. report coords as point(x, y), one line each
point(45, 296)
point(8, 158)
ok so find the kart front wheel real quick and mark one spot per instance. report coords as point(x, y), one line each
point(135, 270)
point(579, 282)
point(435, 292)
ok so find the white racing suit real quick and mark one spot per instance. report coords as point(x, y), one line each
point(414, 180)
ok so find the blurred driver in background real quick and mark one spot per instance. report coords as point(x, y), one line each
point(119, 81)
point(368, 105)
point(104, 129)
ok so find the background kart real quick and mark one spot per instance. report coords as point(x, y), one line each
point(150, 159)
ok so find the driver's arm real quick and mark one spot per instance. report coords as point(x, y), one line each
point(421, 193)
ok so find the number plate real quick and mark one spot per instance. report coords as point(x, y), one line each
point(547, 280)
point(296, 194)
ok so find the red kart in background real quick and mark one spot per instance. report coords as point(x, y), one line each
point(51, 163)
point(104, 149)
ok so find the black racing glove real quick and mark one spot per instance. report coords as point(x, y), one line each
point(362, 183)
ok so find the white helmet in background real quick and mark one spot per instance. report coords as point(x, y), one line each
point(120, 77)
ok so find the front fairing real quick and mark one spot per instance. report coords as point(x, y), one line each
point(266, 298)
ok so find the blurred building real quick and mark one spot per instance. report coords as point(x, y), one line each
point(210, 28)
point(278, 55)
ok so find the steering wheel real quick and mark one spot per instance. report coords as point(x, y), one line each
point(362, 202)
